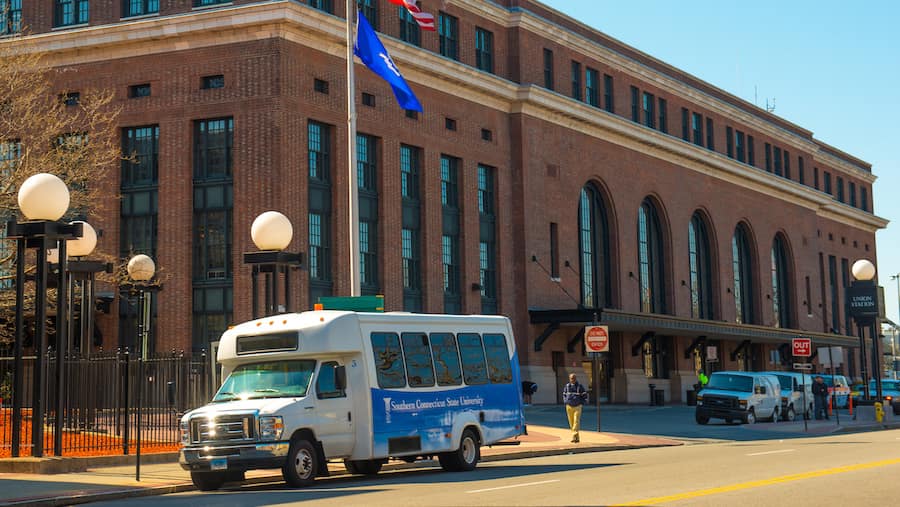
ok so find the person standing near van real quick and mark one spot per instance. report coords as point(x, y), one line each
point(820, 395)
point(574, 396)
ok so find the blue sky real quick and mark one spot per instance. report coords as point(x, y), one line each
point(830, 67)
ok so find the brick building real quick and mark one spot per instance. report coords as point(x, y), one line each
point(556, 175)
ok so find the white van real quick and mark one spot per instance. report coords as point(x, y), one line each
point(796, 394)
point(301, 389)
point(739, 395)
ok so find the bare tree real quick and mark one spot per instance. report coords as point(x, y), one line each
point(47, 129)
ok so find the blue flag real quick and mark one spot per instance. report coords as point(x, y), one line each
point(371, 51)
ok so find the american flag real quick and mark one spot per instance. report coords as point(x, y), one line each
point(425, 20)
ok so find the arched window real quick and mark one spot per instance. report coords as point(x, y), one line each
point(593, 243)
point(701, 269)
point(651, 269)
point(781, 288)
point(743, 276)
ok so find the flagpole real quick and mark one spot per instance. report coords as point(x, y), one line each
point(353, 204)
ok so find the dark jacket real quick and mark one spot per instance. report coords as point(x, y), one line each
point(574, 394)
point(819, 389)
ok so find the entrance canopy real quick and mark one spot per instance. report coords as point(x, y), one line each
point(644, 323)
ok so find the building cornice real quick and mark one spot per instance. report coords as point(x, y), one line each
point(324, 32)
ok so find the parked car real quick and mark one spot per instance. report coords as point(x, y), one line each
point(739, 395)
point(796, 394)
point(890, 392)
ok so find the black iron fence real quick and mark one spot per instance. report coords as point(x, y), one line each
point(96, 410)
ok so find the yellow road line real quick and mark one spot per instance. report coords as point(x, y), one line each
point(762, 482)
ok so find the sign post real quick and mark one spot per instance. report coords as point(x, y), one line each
point(596, 342)
point(802, 347)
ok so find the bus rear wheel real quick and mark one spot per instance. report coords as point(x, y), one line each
point(466, 457)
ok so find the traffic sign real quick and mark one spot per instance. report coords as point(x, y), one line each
point(802, 347)
point(596, 338)
point(802, 366)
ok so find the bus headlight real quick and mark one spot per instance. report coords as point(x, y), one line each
point(699, 400)
point(271, 427)
point(743, 403)
point(185, 433)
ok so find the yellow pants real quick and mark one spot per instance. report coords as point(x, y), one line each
point(574, 414)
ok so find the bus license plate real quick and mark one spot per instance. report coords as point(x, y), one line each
point(219, 464)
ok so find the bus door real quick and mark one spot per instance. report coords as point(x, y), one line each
point(334, 420)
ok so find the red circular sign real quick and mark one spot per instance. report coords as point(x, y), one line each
point(596, 339)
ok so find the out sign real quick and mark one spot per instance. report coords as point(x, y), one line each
point(596, 338)
point(802, 347)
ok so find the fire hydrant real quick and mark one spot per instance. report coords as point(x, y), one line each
point(879, 411)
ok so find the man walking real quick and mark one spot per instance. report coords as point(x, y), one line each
point(574, 396)
point(820, 395)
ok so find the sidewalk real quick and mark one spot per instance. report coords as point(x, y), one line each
point(113, 482)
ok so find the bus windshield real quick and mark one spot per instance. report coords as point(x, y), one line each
point(276, 379)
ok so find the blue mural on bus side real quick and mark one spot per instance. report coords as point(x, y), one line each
point(431, 415)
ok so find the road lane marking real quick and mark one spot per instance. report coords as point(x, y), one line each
point(762, 482)
point(771, 452)
point(512, 486)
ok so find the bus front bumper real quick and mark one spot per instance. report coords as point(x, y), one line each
point(239, 457)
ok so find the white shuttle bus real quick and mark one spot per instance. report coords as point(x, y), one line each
point(302, 389)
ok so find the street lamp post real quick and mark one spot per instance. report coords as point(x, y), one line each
point(43, 199)
point(862, 298)
point(141, 269)
point(271, 232)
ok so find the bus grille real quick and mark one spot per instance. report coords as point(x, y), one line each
point(223, 428)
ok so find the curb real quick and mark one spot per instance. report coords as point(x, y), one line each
point(137, 491)
point(69, 464)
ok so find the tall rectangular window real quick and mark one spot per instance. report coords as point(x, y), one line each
point(10, 16)
point(608, 96)
point(592, 87)
point(635, 104)
point(70, 12)
point(835, 294)
point(367, 179)
point(697, 128)
point(648, 109)
point(139, 7)
point(576, 80)
point(323, 5)
point(863, 198)
point(484, 50)
point(739, 147)
point(751, 151)
point(487, 246)
point(816, 177)
point(768, 154)
point(554, 250)
point(776, 159)
point(685, 124)
point(840, 189)
point(851, 192)
point(410, 235)
point(9, 159)
point(369, 9)
point(409, 29)
point(213, 229)
point(450, 240)
point(729, 142)
point(318, 154)
point(710, 135)
point(548, 69)
point(800, 171)
point(663, 116)
point(787, 164)
point(827, 182)
point(448, 34)
point(140, 191)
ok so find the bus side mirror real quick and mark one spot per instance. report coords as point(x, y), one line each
point(340, 377)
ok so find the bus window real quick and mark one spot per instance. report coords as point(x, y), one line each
point(325, 387)
point(419, 370)
point(446, 359)
point(388, 360)
point(472, 355)
point(497, 358)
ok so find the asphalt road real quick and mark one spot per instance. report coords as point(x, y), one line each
point(846, 469)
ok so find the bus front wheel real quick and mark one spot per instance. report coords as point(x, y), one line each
point(208, 481)
point(302, 463)
point(466, 457)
